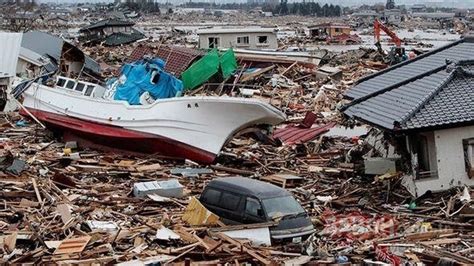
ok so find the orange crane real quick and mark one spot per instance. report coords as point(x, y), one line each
point(397, 52)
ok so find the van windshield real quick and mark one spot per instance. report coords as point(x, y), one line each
point(282, 206)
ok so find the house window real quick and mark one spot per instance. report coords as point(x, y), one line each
point(213, 42)
point(243, 40)
point(338, 30)
point(426, 156)
point(262, 39)
point(468, 146)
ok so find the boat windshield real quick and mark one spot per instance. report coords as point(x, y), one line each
point(282, 206)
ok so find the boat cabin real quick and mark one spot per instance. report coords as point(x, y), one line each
point(80, 87)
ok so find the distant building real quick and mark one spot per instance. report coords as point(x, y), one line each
point(433, 15)
point(392, 16)
point(247, 38)
point(322, 31)
point(60, 12)
point(390, 4)
point(110, 31)
point(366, 16)
point(418, 8)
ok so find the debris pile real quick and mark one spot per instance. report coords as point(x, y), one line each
point(63, 204)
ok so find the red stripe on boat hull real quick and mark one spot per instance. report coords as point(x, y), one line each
point(107, 137)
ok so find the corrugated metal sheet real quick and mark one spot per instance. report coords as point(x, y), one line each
point(295, 135)
point(9, 50)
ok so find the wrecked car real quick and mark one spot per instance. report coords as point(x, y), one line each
point(239, 200)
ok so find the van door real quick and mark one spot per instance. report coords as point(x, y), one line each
point(231, 207)
point(253, 211)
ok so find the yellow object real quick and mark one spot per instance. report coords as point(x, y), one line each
point(197, 214)
point(67, 151)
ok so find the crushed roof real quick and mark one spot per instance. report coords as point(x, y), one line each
point(440, 95)
point(108, 23)
point(119, 38)
point(331, 25)
point(49, 45)
point(177, 58)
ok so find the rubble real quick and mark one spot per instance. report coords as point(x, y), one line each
point(66, 204)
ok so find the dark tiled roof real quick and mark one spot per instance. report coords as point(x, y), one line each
point(460, 50)
point(119, 38)
point(108, 23)
point(441, 98)
point(411, 95)
point(453, 104)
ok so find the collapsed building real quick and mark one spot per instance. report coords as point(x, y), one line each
point(110, 32)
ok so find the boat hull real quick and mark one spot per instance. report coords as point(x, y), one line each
point(195, 128)
point(110, 138)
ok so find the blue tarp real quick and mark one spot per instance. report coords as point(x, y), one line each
point(147, 76)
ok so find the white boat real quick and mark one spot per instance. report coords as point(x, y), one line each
point(195, 128)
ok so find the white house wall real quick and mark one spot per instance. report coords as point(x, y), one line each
point(228, 40)
point(450, 160)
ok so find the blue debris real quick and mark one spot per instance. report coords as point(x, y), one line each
point(146, 75)
point(21, 123)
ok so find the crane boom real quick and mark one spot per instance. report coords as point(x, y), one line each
point(378, 26)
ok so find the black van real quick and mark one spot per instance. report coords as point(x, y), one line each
point(240, 200)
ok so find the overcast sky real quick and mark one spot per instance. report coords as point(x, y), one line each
point(451, 3)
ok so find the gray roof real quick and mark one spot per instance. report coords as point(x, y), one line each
point(110, 22)
point(460, 50)
point(249, 186)
point(421, 93)
point(46, 44)
point(453, 104)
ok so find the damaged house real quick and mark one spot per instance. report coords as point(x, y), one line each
point(333, 32)
point(428, 103)
point(243, 38)
point(51, 47)
point(110, 32)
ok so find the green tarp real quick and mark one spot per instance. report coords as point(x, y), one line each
point(206, 67)
point(228, 63)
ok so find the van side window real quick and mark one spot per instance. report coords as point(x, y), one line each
point(211, 196)
point(252, 207)
point(229, 201)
